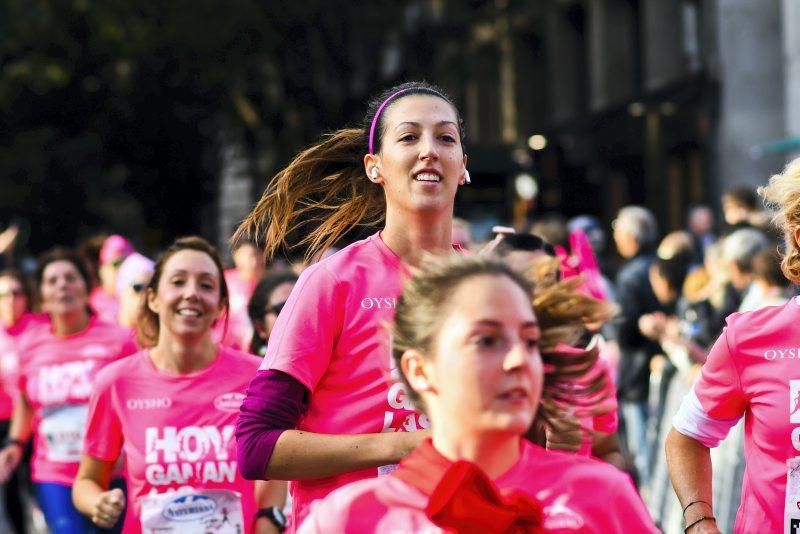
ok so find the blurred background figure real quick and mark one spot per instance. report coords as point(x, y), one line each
point(700, 224)
point(132, 279)
point(266, 304)
point(242, 279)
point(104, 299)
point(636, 236)
point(740, 209)
point(462, 233)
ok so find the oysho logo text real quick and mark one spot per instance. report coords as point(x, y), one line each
point(149, 404)
point(378, 303)
point(781, 354)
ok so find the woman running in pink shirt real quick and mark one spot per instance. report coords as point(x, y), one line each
point(467, 340)
point(171, 409)
point(322, 411)
point(56, 376)
point(752, 371)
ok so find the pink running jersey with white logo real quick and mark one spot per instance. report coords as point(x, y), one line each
point(579, 495)
point(753, 370)
point(333, 337)
point(57, 375)
point(176, 430)
point(10, 341)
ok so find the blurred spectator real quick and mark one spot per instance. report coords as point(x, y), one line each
point(462, 233)
point(636, 235)
point(552, 227)
point(738, 251)
point(266, 303)
point(740, 209)
point(591, 226)
point(769, 286)
point(132, 279)
point(103, 298)
point(700, 224)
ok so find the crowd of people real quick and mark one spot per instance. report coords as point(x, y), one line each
point(415, 380)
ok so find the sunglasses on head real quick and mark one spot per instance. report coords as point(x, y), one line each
point(16, 293)
point(276, 308)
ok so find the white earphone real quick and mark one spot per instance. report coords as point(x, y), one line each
point(467, 179)
point(373, 173)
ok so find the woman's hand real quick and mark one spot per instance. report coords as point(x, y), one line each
point(108, 508)
point(10, 457)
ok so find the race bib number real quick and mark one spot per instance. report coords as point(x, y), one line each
point(201, 511)
point(791, 508)
point(62, 429)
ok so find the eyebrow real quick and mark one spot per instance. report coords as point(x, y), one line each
point(184, 271)
point(490, 322)
point(416, 124)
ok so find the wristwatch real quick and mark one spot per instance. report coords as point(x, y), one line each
point(275, 515)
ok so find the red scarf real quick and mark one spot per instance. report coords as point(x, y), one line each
point(463, 499)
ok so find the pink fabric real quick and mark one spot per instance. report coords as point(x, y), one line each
point(175, 430)
point(10, 341)
point(752, 371)
point(105, 306)
point(567, 486)
point(332, 336)
point(57, 375)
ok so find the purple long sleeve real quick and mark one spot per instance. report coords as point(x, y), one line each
point(275, 402)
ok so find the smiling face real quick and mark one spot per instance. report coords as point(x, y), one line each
point(485, 373)
point(421, 161)
point(187, 299)
point(63, 289)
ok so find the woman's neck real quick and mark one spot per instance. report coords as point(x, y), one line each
point(412, 238)
point(71, 323)
point(181, 357)
point(494, 454)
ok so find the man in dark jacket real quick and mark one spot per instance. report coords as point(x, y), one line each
point(636, 238)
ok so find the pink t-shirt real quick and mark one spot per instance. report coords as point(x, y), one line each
point(10, 341)
point(57, 375)
point(239, 292)
point(333, 337)
point(176, 430)
point(753, 370)
point(568, 486)
point(104, 305)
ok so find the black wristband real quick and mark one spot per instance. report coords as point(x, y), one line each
point(10, 441)
point(698, 521)
point(275, 516)
point(698, 501)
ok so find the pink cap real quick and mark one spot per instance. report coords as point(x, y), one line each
point(115, 247)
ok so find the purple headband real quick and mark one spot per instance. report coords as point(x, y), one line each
point(378, 114)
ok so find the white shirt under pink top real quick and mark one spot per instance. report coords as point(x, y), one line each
point(333, 337)
point(10, 341)
point(578, 494)
point(57, 375)
point(753, 370)
point(176, 430)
